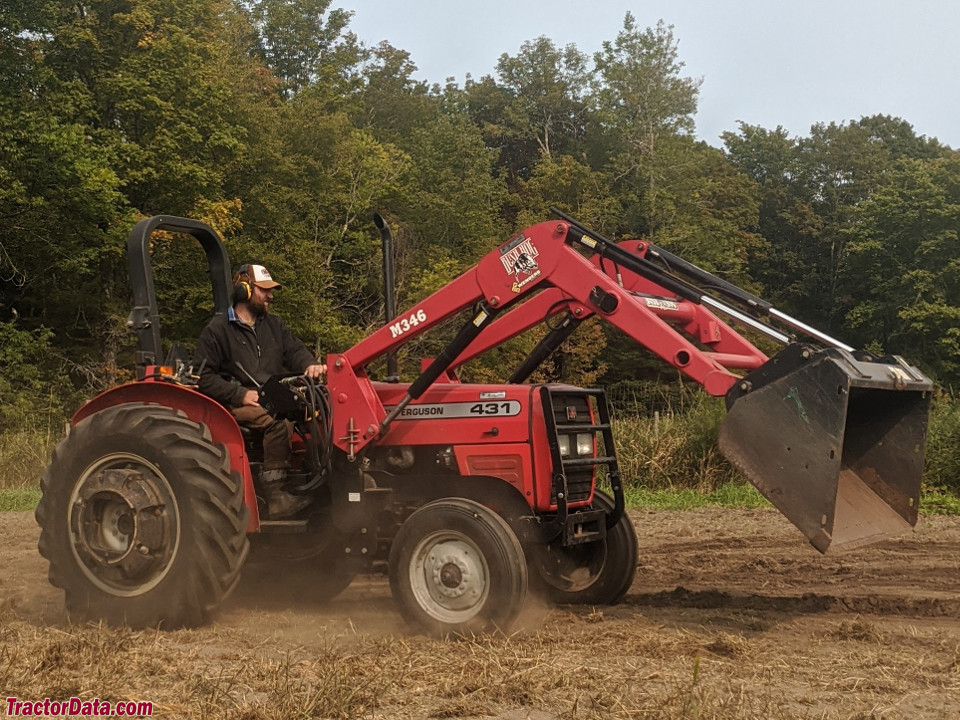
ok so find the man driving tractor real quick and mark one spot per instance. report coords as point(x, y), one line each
point(239, 351)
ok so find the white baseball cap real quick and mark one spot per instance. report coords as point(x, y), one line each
point(260, 277)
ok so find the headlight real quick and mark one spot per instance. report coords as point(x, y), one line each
point(584, 444)
point(564, 442)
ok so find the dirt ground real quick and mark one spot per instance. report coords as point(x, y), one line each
point(732, 615)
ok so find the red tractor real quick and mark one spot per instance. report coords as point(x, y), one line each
point(468, 492)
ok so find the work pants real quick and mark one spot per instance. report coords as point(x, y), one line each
point(276, 435)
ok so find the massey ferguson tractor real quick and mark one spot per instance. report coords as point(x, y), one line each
point(468, 493)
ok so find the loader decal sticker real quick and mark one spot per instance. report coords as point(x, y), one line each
point(519, 259)
point(661, 304)
point(406, 324)
point(794, 395)
point(442, 411)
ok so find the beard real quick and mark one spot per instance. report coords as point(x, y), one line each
point(257, 306)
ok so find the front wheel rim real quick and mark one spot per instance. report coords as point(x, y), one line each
point(575, 569)
point(449, 577)
point(124, 524)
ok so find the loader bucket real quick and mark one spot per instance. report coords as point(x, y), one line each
point(835, 443)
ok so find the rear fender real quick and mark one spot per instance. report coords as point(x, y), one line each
point(196, 406)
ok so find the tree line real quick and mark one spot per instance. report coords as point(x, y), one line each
point(273, 122)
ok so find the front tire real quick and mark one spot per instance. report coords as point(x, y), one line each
point(597, 573)
point(456, 567)
point(141, 519)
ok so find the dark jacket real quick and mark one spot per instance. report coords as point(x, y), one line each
point(267, 349)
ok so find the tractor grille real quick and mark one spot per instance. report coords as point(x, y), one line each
point(578, 447)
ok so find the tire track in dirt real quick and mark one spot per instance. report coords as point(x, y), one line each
point(807, 603)
point(756, 560)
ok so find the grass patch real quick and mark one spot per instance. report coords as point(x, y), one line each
point(933, 501)
point(730, 495)
point(16, 499)
point(939, 501)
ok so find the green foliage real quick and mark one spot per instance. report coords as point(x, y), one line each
point(303, 41)
point(65, 241)
point(571, 186)
point(392, 103)
point(814, 193)
point(942, 453)
point(537, 111)
point(108, 109)
point(711, 215)
point(21, 383)
point(28, 397)
point(451, 199)
point(905, 264)
point(645, 110)
point(936, 501)
point(147, 79)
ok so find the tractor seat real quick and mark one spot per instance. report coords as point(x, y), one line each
point(253, 442)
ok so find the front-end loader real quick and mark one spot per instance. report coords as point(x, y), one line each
point(832, 436)
point(466, 493)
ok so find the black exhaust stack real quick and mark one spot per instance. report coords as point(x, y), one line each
point(389, 288)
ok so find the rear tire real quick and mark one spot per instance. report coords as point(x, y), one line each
point(456, 567)
point(141, 519)
point(597, 573)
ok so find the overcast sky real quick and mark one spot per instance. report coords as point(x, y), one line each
point(791, 63)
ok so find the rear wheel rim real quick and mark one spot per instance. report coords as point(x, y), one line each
point(449, 577)
point(125, 525)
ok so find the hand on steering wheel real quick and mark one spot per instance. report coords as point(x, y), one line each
point(315, 371)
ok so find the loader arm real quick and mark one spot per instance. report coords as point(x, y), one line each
point(542, 257)
point(719, 342)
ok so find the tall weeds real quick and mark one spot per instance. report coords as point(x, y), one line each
point(23, 456)
point(672, 447)
point(942, 458)
point(675, 447)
